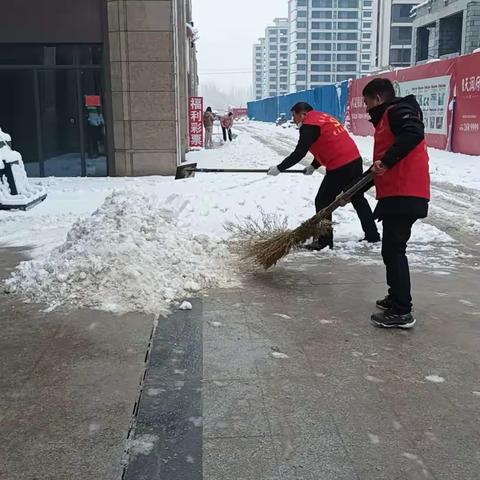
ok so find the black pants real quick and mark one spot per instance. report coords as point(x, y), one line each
point(336, 181)
point(396, 233)
point(224, 131)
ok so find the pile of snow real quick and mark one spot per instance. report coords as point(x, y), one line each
point(129, 255)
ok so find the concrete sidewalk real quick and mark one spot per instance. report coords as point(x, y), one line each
point(282, 379)
point(347, 402)
point(68, 386)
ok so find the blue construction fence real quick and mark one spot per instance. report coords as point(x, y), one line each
point(331, 99)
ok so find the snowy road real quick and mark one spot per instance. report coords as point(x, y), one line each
point(83, 233)
point(455, 205)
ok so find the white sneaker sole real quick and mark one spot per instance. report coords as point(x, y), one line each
point(405, 326)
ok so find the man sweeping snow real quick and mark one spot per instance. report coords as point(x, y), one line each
point(332, 147)
point(402, 184)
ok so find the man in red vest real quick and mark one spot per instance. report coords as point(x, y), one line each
point(402, 182)
point(333, 148)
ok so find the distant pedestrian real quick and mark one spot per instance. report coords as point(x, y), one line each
point(227, 122)
point(208, 119)
point(402, 183)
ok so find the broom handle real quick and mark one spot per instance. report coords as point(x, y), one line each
point(235, 170)
point(357, 187)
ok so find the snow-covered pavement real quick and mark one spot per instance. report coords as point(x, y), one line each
point(188, 217)
point(455, 205)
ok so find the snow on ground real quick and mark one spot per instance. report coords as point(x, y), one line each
point(146, 243)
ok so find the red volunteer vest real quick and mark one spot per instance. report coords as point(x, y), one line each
point(334, 148)
point(407, 178)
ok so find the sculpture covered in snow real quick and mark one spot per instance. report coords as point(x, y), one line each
point(16, 193)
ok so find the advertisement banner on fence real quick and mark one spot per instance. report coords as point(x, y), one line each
point(195, 122)
point(433, 86)
point(466, 124)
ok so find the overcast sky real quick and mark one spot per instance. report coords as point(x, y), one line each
point(228, 29)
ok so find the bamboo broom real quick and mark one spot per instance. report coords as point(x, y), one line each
point(267, 251)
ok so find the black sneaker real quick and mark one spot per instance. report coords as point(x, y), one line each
point(390, 319)
point(319, 244)
point(384, 303)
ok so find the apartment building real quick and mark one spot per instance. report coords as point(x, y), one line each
point(329, 41)
point(392, 33)
point(258, 67)
point(444, 29)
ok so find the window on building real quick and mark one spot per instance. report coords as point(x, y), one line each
point(347, 25)
point(301, 35)
point(365, 56)
point(400, 56)
point(302, 14)
point(347, 14)
point(322, 3)
point(321, 36)
point(300, 87)
point(366, 36)
point(346, 67)
point(321, 57)
point(302, 67)
point(342, 78)
point(401, 36)
point(322, 14)
point(283, 72)
point(301, 78)
point(302, 3)
point(284, 48)
point(301, 46)
point(321, 25)
point(321, 67)
point(301, 56)
point(301, 24)
point(347, 3)
point(347, 36)
point(367, 3)
point(346, 57)
point(366, 46)
point(367, 14)
point(272, 64)
point(283, 40)
point(342, 47)
point(367, 25)
point(365, 67)
point(320, 78)
point(401, 13)
point(321, 46)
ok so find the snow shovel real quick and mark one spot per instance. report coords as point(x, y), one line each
point(188, 170)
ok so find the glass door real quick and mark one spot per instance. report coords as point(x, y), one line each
point(60, 122)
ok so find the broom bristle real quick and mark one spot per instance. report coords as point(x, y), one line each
point(267, 240)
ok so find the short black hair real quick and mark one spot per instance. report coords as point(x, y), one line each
point(230, 114)
point(209, 109)
point(301, 107)
point(382, 87)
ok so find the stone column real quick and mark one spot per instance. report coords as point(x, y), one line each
point(142, 46)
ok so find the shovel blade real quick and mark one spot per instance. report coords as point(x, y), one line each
point(185, 171)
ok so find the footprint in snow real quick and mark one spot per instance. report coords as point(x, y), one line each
point(282, 315)
point(279, 355)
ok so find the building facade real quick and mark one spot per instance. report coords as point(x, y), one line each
point(444, 29)
point(258, 68)
point(275, 73)
point(330, 41)
point(97, 87)
point(392, 33)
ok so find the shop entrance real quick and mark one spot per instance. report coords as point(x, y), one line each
point(51, 103)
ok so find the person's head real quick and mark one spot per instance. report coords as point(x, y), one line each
point(377, 92)
point(230, 114)
point(299, 111)
point(209, 109)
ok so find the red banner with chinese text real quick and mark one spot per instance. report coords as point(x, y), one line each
point(466, 125)
point(195, 122)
